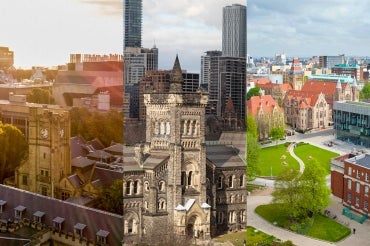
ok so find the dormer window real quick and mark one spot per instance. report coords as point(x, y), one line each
point(101, 237)
point(19, 212)
point(37, 217)
point(2, 204)
point(79, 229)
point(57, 223)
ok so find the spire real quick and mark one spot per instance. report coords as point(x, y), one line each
point(176, 77)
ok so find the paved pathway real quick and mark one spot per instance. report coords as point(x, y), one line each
point(291, 151)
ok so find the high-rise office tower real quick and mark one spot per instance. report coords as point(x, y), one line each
point(234, 31)
point(132, 22)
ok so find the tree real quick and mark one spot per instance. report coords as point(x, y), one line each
point(277, 133)
point(12, 151)
point(253, 152)
point(111, 198)
point(40, 95)
point(255, 91)
point(288, 192)
point(252, 126)
point(314, 187)
point(365, 92)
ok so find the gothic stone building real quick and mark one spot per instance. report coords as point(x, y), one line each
point(176, 187)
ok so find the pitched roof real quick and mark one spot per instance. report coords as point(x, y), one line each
point(304, 98)
point(265, 103)
point(326, 87)
point(224, 156)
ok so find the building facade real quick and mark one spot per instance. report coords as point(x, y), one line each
point(352, 122)
point(330, 61)
point(350, 180)
point(234, 31)
point(267, 114)
point(6, 58)
point(174, 185)
point(132, 23)
point(350, 70)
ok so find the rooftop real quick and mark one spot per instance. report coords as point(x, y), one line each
point(360, 160)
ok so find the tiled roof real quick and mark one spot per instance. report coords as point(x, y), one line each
point(260, 81)
point(224, 156)
point(115, 149)
point(265, 103)
point(326, 87)
point(94, 219)
point(305, 99)
point(82, 162)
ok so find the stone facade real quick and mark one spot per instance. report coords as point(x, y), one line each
point(170, 189)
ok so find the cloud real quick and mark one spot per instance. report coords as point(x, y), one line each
point(108, 7)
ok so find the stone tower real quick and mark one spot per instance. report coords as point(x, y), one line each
point(49, 152)
point(175, 124)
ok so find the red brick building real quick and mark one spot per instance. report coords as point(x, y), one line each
point(350, 180)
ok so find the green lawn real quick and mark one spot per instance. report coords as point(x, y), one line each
point(271, 157)
point(236, 238)
point(304, 150)
point(255, 236)
point(323, 228)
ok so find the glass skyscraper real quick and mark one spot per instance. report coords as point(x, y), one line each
point(234, 31)
point(132, 22)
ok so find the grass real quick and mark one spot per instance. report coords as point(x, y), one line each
point(271, 157)
point(256, 236)
point(236, 238)
point(322, 227)
point(304, 150)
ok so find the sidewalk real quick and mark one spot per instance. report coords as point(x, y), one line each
point(362, 236)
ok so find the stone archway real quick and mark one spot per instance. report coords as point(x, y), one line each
point(193, 226)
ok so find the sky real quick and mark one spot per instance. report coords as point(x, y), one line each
point(307, 28)
point(184, 27)
point(46, 32)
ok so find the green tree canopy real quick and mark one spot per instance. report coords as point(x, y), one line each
point(252, 126)
point(111, 198)
point(255, 91)
point(277, 133)
point(40, 95)
point(253, 153)
point(13, 149)
point(365, 92)
point(107, 126)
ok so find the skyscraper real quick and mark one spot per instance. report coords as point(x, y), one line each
point(234, 29)
point(132, 22)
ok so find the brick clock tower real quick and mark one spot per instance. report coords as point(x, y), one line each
point(49, 152)
point(175, 124)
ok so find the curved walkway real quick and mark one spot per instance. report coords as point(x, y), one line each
point(291, 152)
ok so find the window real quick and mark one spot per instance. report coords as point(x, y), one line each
point(232, 217)
point(231, 182)
point(44, 190)
point(65, 195)
point(349, 197)
point(128, 188)
point(349, 184)
point(24, 180)
point(190, 178)
point(220, 218)
point(243, 215)
point(219, 182)
point(146, 186)
point(161, 186)
point(366, 177)
point(18, 211)
point(358, 186)
point(183, 178)
point(349, 171)
point(357, 201)
point(136, 184)
point(79, 229)
point(366, 205)
point(161, 204)
point(241, 180)
point(57, 223)
point(232, 199)
point(366, 190)
point(358, 174)
point(101, 237)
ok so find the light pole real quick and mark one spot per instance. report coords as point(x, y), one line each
point(271, 171)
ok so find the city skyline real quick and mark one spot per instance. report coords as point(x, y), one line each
point(45, 33)
point(188, 28)
point(307, 28)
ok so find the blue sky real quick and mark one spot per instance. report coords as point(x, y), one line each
point(45, 32)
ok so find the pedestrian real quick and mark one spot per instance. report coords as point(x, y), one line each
point(354, 230)
point(244, 243)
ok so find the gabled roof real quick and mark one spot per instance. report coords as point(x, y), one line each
point(326, 87)
point(265, 103)
point(224, 156)
point(305, 99)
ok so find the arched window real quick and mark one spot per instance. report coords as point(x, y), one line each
point(146, 186)
point(136, 186)
point(161, 186)
point(183, 178)
point(128, 188)
point(241, 180)
point(161, 204)
point(190, 178)
point(230, 181)
point(219, 182)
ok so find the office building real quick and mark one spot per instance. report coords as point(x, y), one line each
point(350, 70)
point(234, 31)
point(330, 61)
point(132, 23)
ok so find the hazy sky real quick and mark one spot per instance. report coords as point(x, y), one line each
point(307, 28)
point(45, 32)
point(186, 27)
